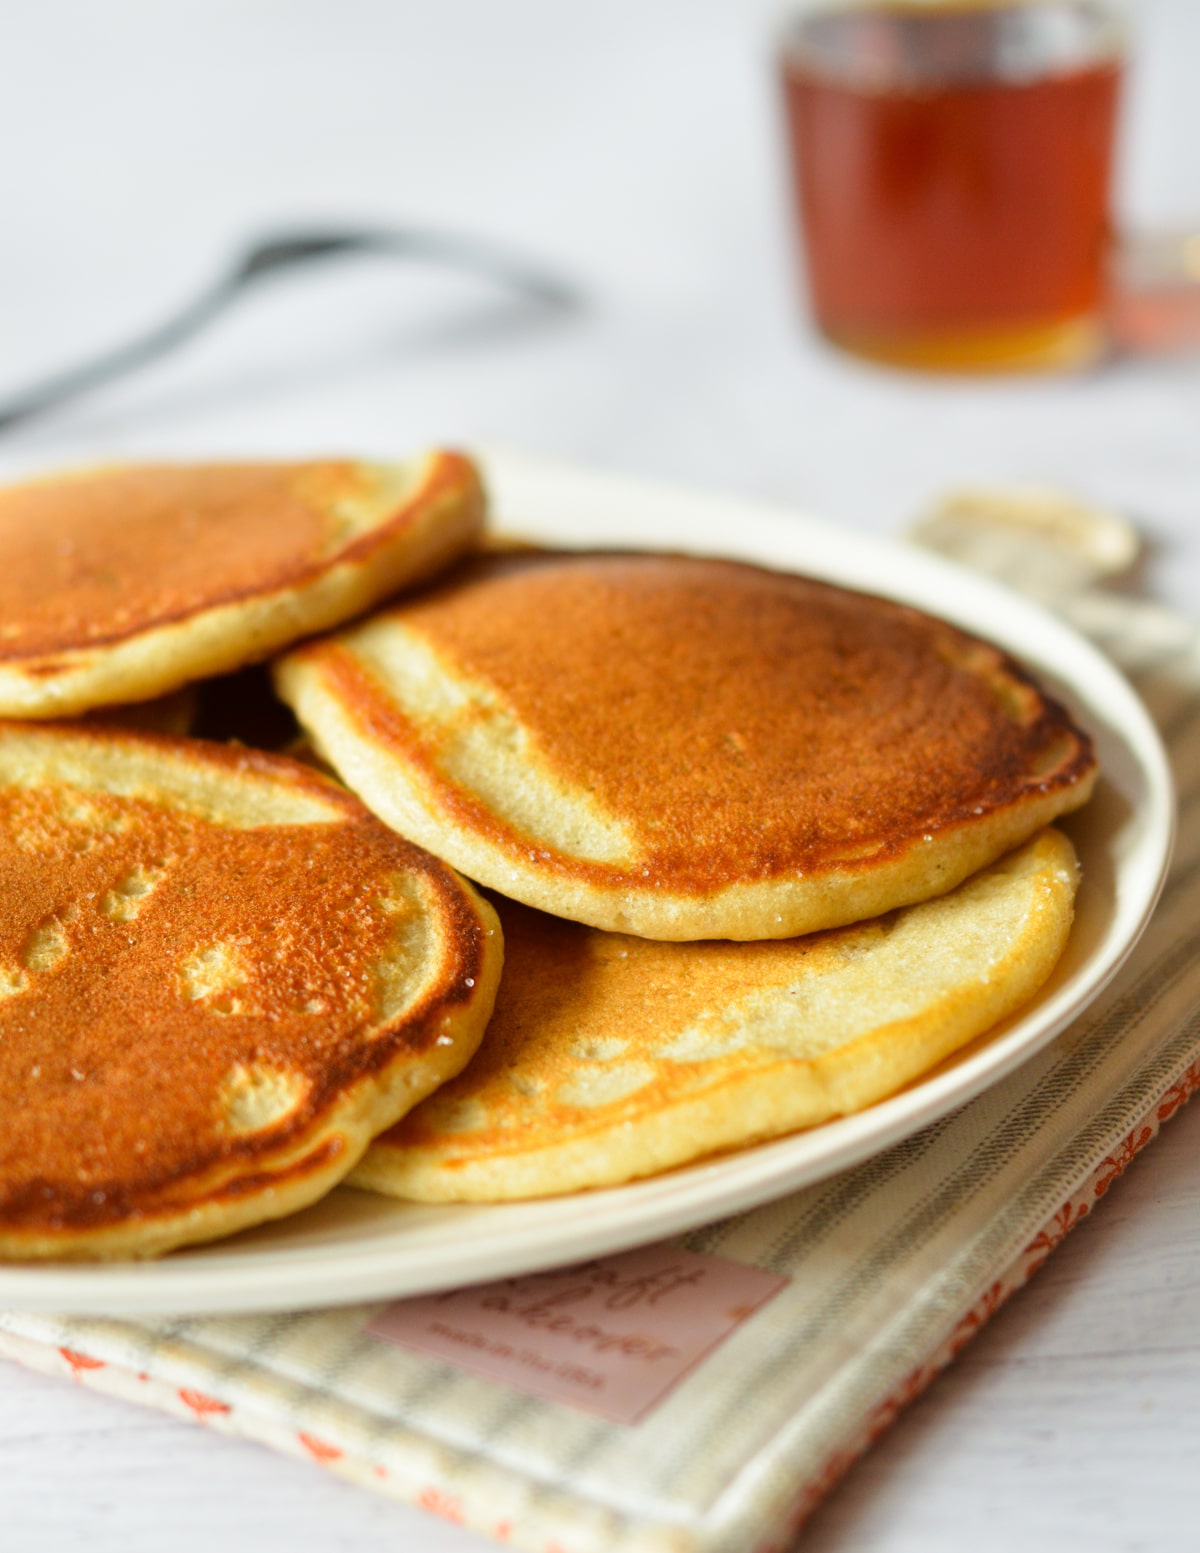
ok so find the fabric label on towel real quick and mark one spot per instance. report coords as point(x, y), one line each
point(610, 1337)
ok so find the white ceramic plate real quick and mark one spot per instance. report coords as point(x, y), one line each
point(357, 1246)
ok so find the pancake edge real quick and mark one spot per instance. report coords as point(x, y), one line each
point(441, 514)
point(413, 802)
point(787, 1097)
point(279, 1183)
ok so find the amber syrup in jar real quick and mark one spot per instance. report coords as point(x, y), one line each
point(952, 166)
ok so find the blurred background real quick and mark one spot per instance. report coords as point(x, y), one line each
point(636, 150)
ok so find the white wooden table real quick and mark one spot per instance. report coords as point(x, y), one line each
point(634, 146)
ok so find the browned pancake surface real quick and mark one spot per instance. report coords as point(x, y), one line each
point(112, 552)
point(150, 958)
point(573, 996)
point(610, 1056)
point(744, 723)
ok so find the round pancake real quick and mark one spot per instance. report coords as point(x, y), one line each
point(124, 583)
point(686, 748)
point(610, 1057)
point(220, 977)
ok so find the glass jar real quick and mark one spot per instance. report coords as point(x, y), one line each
point(952, 163)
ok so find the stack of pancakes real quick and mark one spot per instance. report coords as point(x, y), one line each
point(762, 850)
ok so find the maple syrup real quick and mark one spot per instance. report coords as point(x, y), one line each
point(952, 165)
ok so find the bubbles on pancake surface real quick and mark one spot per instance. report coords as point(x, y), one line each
point(255, 1096)
point(45, 946)
point(123, 903)
point(12, 981)
point(213, 974)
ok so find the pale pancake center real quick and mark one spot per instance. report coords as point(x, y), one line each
point(482, 745)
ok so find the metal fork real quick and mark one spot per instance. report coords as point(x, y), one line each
point(271, 255)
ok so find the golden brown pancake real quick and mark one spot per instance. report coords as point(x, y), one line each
point(685, 748)
point(121, 584)
point(220, 976)
point(610, 1057)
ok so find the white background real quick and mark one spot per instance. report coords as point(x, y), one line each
point(635, 148)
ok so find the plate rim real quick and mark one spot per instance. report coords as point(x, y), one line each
point(225, 1277)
